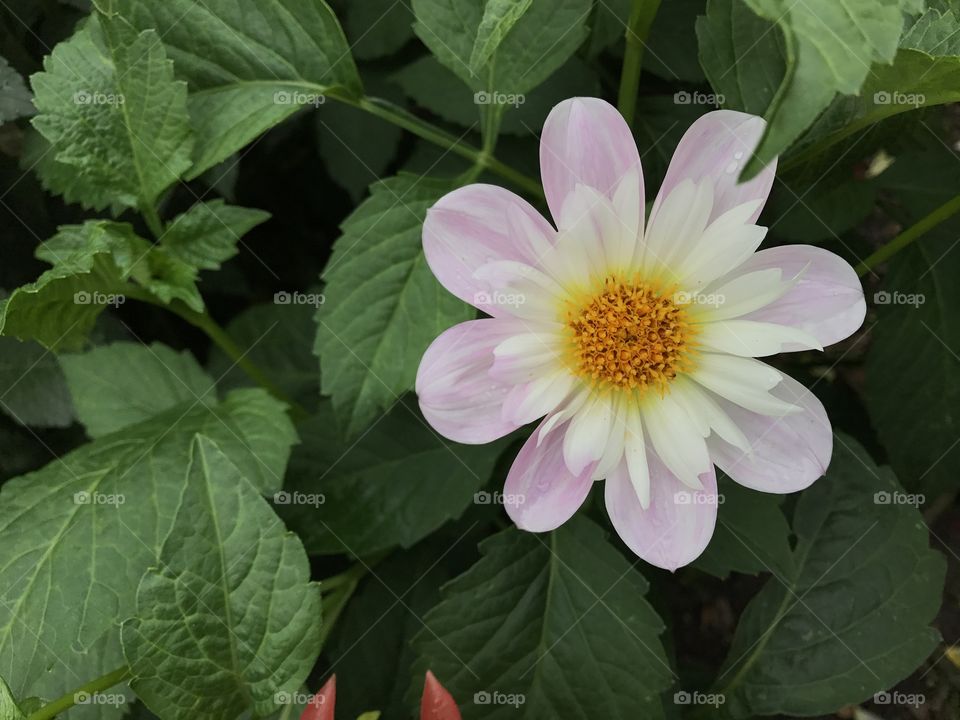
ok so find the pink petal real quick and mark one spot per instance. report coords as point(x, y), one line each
point(457, 395)
point(678, 524)
point(437, 703)
point(789, 452)
point(540, 493)
point(476, 225)
point(586, 141)
point(827, 301)
point(717, 146)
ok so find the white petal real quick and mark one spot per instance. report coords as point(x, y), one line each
point(587, 434)
point(744, 381)
point(748, 338)
point(676, 439)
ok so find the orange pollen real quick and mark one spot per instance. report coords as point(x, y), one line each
point(631, 336)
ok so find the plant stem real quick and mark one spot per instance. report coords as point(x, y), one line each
point(52, 709)
point(942, 213)
point(341, 588)
point(410, 122)
point(153, 221)
point(638, 28)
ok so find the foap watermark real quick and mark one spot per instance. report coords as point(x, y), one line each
point(690, 497)
point(682, 697)
point(696, 97)
point(883, 297)
point(499, 298)
point(896, 697)
point(283, 497)
point(495, 697)
point(298, 698)
point(95, 97)
point(895, 97)
point(86, 698)
point(296, 97)
point(85, 497)
point(498, 498)
point(705, 299)
point(82, 297)
point(298, 298)
point(885, 497)
point(495, 97)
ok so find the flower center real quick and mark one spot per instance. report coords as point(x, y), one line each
point(631, 336)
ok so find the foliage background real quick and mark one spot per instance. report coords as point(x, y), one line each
point(242, 169)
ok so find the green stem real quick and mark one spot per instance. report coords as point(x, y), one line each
point(52, 709)
point(153, 221)
point(638, 28)
point(341, 588)
point(941, 214)
point(410, 122)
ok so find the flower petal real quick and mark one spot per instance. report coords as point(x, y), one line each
point(437, 703)
point(457, 395)
point(748, 338)
point(476, 225)
point(787, 453)
point(678, 524)
point(587, 141)
point(826, 301)
point(717, 146)
point(745, 381)
point(540, 493)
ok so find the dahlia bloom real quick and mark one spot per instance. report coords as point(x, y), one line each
point(634, 340)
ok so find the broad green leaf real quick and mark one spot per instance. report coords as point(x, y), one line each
point(499, 17)
point(559, 619)
point(852, 617)
point(671, 46)
point(925, 72)
point(824, 48)
point(752, 535)
point(917, 334)
point(383, 306)
point(33, 390)
point(376, 28)
point(259, 64)
point(277, 336)
point(434, 87)
point(229, 617)
point(15, 99)
point(109, 105)
point(538, 43)
point(80, 533)
point(207, 234)
point(117, 385)
point(394, 486)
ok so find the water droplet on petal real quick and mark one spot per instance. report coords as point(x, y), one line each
point(732, 168)
point(738, 155)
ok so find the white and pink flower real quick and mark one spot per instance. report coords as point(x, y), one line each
point(634, 340)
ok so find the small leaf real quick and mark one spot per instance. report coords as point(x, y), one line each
point(9, 710)
point(383, 306)
point(398, 483)
point(852, 617)
point(499, 17)
point(117, 385)
point(230, 617)
point(563, 627)
point(109, 105)
point(15, 99)
point(207, 234)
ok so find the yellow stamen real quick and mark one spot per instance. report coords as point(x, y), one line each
point(631, 336)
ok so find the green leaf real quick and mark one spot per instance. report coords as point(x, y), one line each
point(499, 17)
point(752, 535)
point(852, 617)
point(9, 710)
point(383, 306)
point(398, 483)
point(824, 48)
point(230, 617)
point(15, 99)
point(109, 105)
point(558, 619)
point(207, 234)
point(538, 43)
point(79, 534)
point(33, 390)
point(377, 28)
point(117, 385)
point(671, 47)
point(432, 86)
point(258, 66)
point(275, 336)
